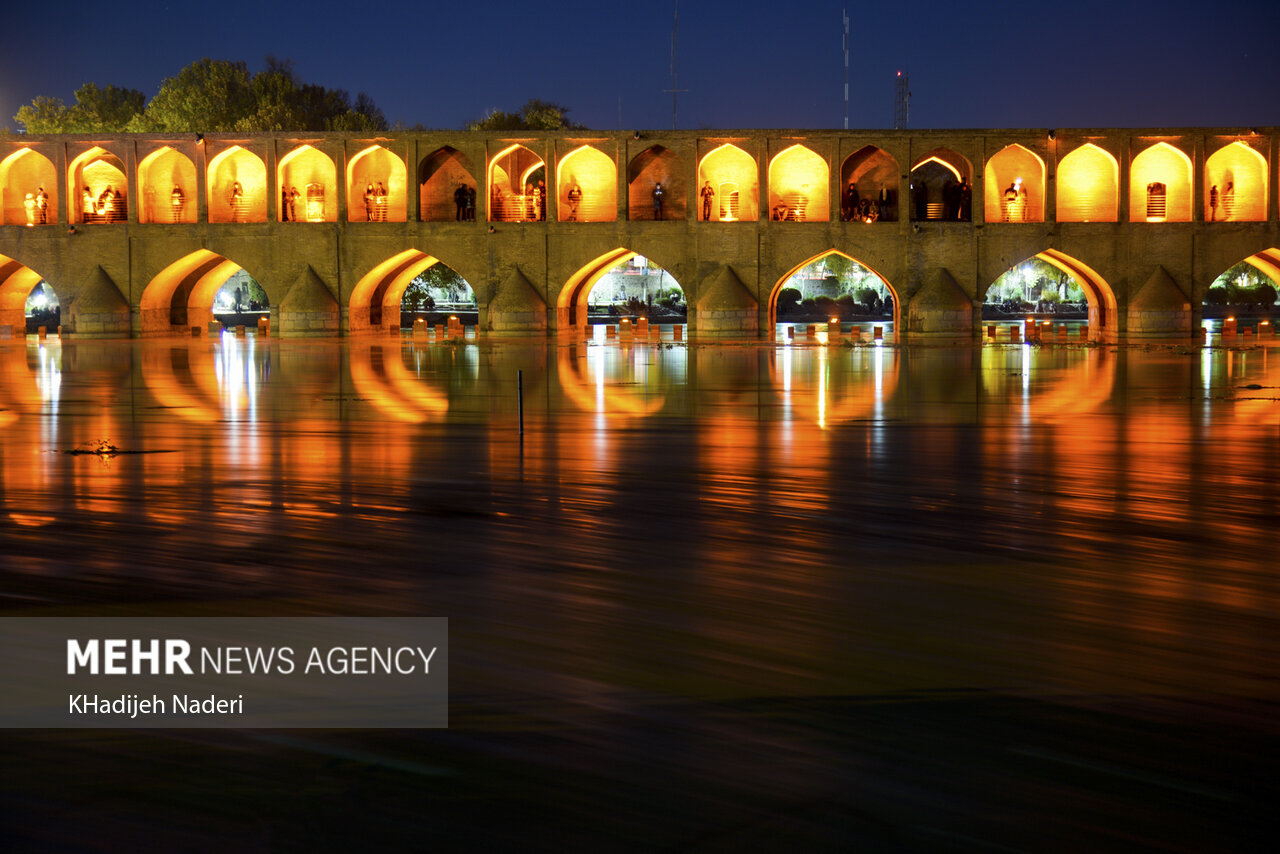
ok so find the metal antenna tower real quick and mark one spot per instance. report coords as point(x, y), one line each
point(675, 89)
point(845, 12)
point(901, 102)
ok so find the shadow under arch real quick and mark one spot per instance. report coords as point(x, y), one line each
point(1098, 293)
point(778, 285)
point(17, 281)
point(571, 304)
point(872, 172)
point(933, 176)
point(439, 175)
point(375, 301)
point(180, 297)
point(510, 170)
point(657, 164)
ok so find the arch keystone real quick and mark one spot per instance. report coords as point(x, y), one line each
point(940, 309)
point(1159, 308)
point(309, 310)
point(517, 307)
point(100, 309)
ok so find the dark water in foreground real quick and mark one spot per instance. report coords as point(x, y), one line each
point(716, 598)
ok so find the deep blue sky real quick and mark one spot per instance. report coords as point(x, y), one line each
point(745, 64)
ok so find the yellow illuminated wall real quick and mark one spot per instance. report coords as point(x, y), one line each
point(510, 170)
point(16, 283)
point(377, 167)
point(872, 171)
point(656, 164)
point(1088, 186)
point(181, 295)
point(1003, 171)
point(158, 174)
point(97, 170)
point(1240, 174)
point(22, 172)
point(375, 300)
point(798, 186)
point(734, 179)
point(311, 173)
point(237, 181)
point(438, 178)
point(1160, 164)
point(596, 175)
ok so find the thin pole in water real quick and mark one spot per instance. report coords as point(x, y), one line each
point(520, 398)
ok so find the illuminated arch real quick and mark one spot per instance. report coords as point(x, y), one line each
point(22, 172)
point(311, 174)
point(380, 376)
point(596, 176)
point(17, 280)
point(379, 168)
point(1098, 293)
point(851, 386)
point(585, 380)
point(778, 285)
point(656, 164)
point(1161, 164)
point(97, 171)
point(799, 182)
point(375, 300)
point(932, 176)
point(509, 171)
point(734, 178)
point(1022, 169)
point(1088, 186)
point(873, 172)
point(181, 295)
point(237, 182)
point(1239, 173)
point(439, 175)
point(571, 304)
point(160, 173)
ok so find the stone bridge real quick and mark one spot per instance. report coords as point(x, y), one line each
point(136, 233)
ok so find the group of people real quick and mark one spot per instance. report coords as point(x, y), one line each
point(1227, 198)
point(854, 208)
point(1014, 204)
point(375, 203)
point(464, 199)
point(289, 204)
point(108, 206)
point(37, 207)
point(529, 207)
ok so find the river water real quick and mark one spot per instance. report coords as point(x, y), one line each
point(712, 597)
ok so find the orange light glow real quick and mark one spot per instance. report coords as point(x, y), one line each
point(798, 186)
point(237, 181)
point(571, 303)
point(732, 178)
point(307, 182)
point(376, 182)
point(97, 188)
point(1160, 185)
point(167, 181)
point(595, 177)
point(777, 286)
point(22, 172)
point(1014, 186)
point(16, 283)
point(375, 300)
point(1235, 185)
point(517, 187)
point(1088, 186)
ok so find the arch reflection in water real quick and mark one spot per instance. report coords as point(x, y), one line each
point(828, 388)
point(624, 382)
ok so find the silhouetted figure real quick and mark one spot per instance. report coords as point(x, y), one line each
point(1213, 203)
point(460, 202)
point(536, 195)
point(380, 202)
point(470, 213)
point(42, 205)
point(849, 203)
point(708, 195)
point(966, 200)
point(284, 203)
point(294, 195)
point(657, 201)
point(86, 205)
point(920, 199)
point(1229, 201)
point(368, 203)
point(177, 199)
point(542, 203)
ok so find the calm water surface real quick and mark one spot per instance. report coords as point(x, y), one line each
point(713, 597)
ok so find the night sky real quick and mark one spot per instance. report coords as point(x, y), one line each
point(1090, 63)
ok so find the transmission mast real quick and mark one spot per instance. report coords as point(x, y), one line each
point(845, 12)
point(675, 89)
point(901, 102)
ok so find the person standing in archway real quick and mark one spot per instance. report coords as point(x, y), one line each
point(1213, 203)
point(460, 203)
point(42, 205)
point(575, 198)
point(657, 201)
point(707, 195)
point(368, 203)
point(176, 201)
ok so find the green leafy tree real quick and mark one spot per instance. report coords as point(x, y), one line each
point(95, 111)
point(534, 115)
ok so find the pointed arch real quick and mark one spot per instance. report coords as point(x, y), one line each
point(734, 180)
point(571, 304)
point(657, 164)
point(1099, 294)
point(167, 183)
point(1160, 185)
point(375, 301)
point(1014, 185)
point(799, 186)
point(17, 281)
point(376, 183)
point(873, 175)
point(237, 182)
point(1088, 186)
point(593, 176)
point(509, 171)
point(941, 187)
point(27, 171)
point(1238, 173)
point(781, 282)
point(308, 182)
point(181, 295)
point(440, 174)
point(97, 188)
